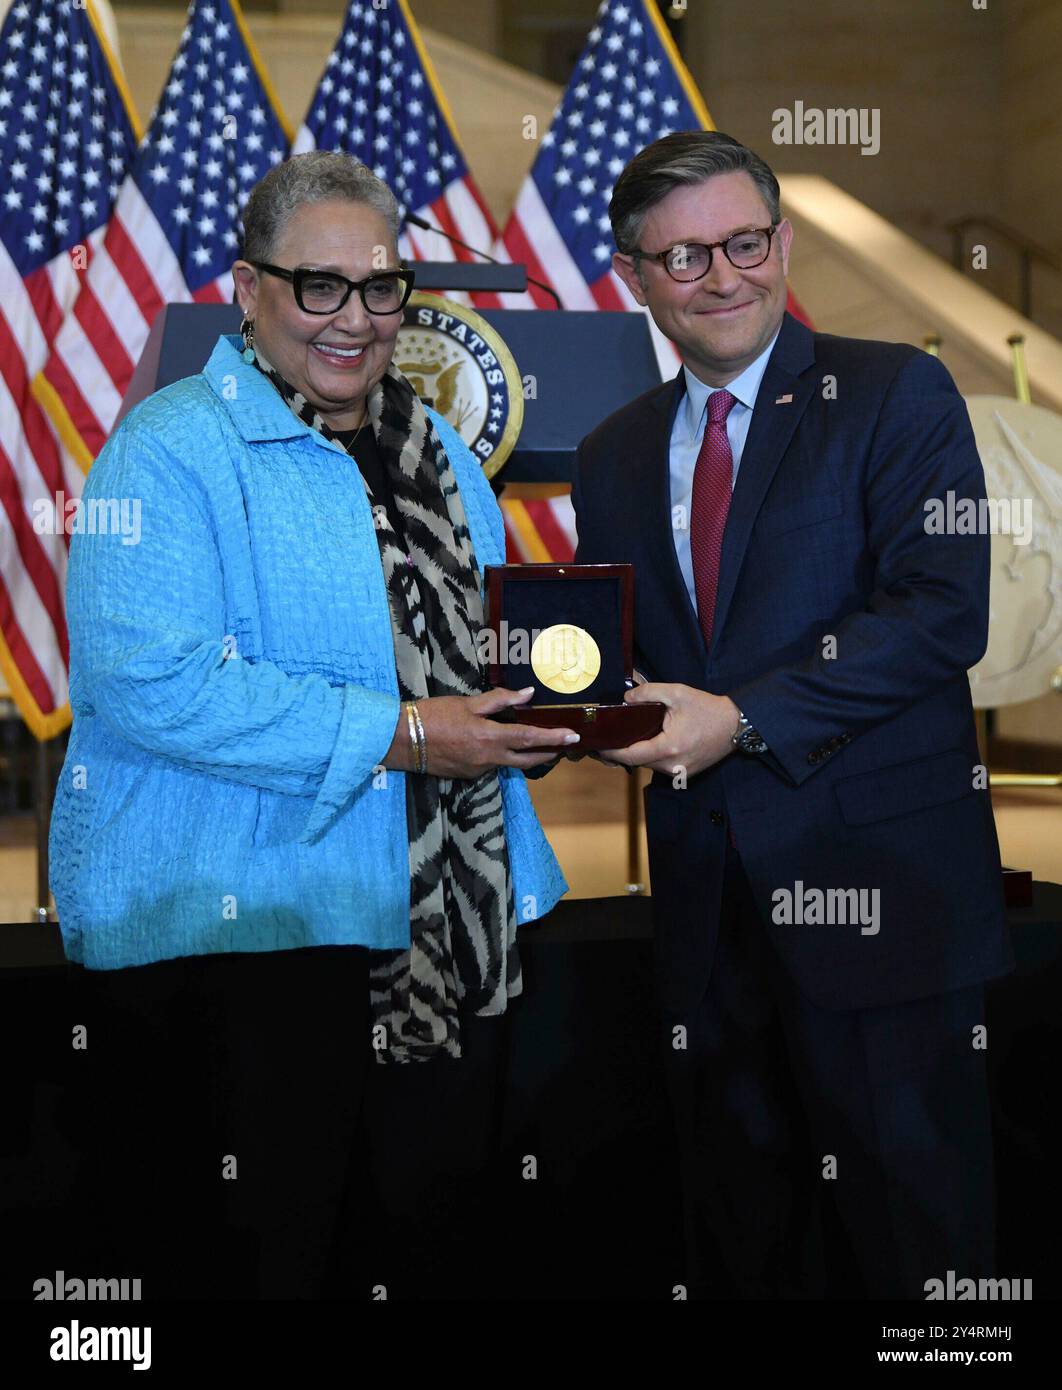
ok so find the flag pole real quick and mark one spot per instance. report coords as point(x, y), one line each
point(672, 12)
point(635, 883)
point(42, 800)
point(1016, 343)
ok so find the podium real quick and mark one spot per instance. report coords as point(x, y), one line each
point(585, 365)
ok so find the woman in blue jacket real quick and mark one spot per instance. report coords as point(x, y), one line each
point(281, 762)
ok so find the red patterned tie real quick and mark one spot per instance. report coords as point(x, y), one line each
point(712, 479)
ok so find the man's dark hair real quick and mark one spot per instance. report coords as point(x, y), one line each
point(683, 158)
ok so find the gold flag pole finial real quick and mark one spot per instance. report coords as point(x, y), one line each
point(931, 343)
point(1016, 342)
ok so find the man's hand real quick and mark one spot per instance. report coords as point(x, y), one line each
point(696, 732)
point(577, 755)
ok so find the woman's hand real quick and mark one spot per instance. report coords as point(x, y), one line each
point(462, 741)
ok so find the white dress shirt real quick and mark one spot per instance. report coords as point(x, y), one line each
point(686, 435)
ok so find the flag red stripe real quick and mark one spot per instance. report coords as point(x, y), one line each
point(82, 416)
point(42, 446)
point(487, 299)
point(38, 436)
point(554, 538)
point(34, 560)
point(108, 345)
point(512, 549)
point(473, 188)
point(41, 295)
point(127, 258)
point(209, 294)
point(445, 218)
point(441, 211)
point(606, 294)
point(520, 250)
point(22, 654)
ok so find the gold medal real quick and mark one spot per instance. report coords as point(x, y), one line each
point(565, 658)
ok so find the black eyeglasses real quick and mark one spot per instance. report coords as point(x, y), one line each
point(325, 292)
point(691, 260)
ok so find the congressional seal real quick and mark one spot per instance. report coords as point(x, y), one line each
point(459, 365)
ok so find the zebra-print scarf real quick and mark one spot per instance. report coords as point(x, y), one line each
point(462, 912)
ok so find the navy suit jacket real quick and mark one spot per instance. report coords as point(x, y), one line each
point(870, 782)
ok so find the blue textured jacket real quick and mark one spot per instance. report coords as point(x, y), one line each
point(233, 689)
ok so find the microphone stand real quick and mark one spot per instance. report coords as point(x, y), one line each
point(426, 226)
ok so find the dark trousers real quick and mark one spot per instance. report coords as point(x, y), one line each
point(826, 1153)
point(245, 1143)
point(431, 1132)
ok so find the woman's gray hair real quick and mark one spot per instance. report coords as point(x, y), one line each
point(318, 176)
point(681, 159)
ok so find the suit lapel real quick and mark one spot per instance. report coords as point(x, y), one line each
point(773, 423)
point(770, 431)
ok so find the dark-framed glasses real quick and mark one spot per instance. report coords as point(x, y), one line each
point(691, 260)
point(325, 292)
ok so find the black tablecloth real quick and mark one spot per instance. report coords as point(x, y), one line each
point(583, 1094)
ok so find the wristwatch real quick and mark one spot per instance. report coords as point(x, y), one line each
point(746, 739)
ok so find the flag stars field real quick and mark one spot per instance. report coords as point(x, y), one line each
point(628, 86)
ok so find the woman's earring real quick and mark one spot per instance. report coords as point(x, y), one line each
point(247, 334)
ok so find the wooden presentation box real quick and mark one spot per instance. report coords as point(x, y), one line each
point(523, 600)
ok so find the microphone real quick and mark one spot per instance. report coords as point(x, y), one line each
point(427, 227)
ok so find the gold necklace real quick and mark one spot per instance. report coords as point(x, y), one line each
point(362, 425)
point(358, 431)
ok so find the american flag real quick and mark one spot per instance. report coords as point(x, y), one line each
point(67, 135)
point(379, 99)
point(175, 232)
point(539, 523)
point(629, 88)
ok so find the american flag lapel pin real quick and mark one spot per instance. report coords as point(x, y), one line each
point(784, 400)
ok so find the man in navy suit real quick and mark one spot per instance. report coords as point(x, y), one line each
point(825, 871)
